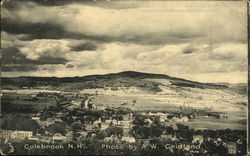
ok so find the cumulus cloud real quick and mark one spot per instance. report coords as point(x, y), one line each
point(230, 52)
point(45, 48)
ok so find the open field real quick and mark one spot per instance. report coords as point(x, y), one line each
point(224, 101)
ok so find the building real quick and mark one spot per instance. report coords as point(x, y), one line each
point(148, 121)
point(35, 118)
point(58, 138)
point(128, 139)
point(19, 135)
point(231, 148)
point(34, 138)
point(197, 139)
point(69, 136)
point(88, 127)
point(167, 136)
point(44, 123)
point(45, 139)
point(103, 127)
point(112, 138)
point(127, 124)
point(83, 134)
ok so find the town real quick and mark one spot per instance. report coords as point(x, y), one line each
point(76, 119)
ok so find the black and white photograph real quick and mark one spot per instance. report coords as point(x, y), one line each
point(124, 77)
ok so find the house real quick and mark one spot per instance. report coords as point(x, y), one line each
point(148, 121)
point(100, 108)
point(35, 118)
point(83, 134)
point(58, 138)
point(126, 132)
point(71, 107)
point(88, 127)
point(59, 115)
point(69, 136)
point(127, 117)
point(45, 139)
point(44, 123)
point(126, 124)
point(97, 122)
point(112, 138)
point(231, 148)
point(167, 136)
point(110, 121)
point(128, 139)
point(34, 138)
point(146, 142)
point(38, 114)
point(174, 139)
point(103, 127)
point(198, 139)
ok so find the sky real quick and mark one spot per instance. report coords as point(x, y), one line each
point(200, 41)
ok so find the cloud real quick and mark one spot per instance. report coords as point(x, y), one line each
point(36, 49)
point(232, 52)
point(189, 50)
point(170, 59)
point(152, 23)
point(70, 65)
point(20, 55)
point(87, 46)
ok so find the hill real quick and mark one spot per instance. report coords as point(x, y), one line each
point(144, 81)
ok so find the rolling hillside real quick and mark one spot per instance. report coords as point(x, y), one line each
point(143, 81)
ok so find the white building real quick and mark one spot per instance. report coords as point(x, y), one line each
point(19, 135)
point(198, 138)
point(35, 118)
point(128, 139)
point(58, 138)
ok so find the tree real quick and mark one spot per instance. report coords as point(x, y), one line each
point(114, 131)
point(57, 128)
point(134, 102)
point(77, 126)
point(45, 115)
point(19, 122)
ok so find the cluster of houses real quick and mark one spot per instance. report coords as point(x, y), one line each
point(112, 91)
